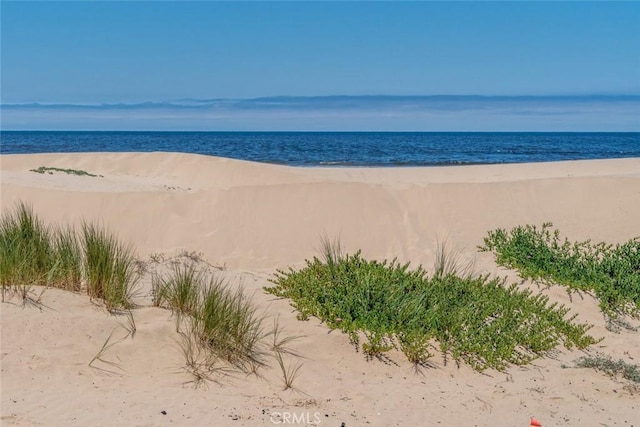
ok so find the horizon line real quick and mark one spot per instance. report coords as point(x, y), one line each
point(307, 131)
point(178, 102)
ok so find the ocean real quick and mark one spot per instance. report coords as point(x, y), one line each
point(342, 148)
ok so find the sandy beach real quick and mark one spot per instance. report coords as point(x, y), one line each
point(250, 219)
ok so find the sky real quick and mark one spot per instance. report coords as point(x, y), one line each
point(159, 65)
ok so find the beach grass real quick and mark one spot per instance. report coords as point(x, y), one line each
point(35, 254)
point(289, 371)
point(475, 319)
point(26, 248)
point(231, 327)
point(110, 268)
point(180, 290)
point(610, 272)
point(218, 324)
point(68, 256)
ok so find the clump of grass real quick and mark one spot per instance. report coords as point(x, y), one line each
point(289, 371)
point(229, 325)
point(110, 268)
point(180, 290)
point(34, 254)
point(218, 325)
point(26, 248)
point(50, 170)
point(475, 319)
point(67, 264)
point(199, 362)
point(610, 367)
point(612, 273)
point(280, 347)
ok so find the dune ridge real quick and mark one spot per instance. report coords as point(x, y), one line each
point(257, 216)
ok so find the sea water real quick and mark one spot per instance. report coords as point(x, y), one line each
point(342, 148)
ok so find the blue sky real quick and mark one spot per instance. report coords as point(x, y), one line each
point(135, 53)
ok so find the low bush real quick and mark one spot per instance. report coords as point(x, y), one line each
point(475, 319)
point(611, 272)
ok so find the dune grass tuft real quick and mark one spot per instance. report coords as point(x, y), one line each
point(67, 264)
point(34, 254)
point(289, 371)
point(217, 324)
point(110, 268)
point(26, 248)
point(474, 319)
point(230, 326)
point(611, 272)
point(180, 290)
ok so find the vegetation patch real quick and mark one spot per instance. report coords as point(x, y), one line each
point(34, 254)
point(51, 170)
point(611, 272)
point(610, 367)
point(228, 324)
point(180, 290)
point(475, 319)
point(218, 325)
point(110, 268)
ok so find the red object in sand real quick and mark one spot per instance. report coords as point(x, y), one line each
point(535, 422)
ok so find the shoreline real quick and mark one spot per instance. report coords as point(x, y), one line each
point(347, 149)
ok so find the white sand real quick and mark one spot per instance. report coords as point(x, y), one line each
point(254, 218)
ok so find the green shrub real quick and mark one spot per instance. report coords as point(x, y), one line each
point(612, 273)
point(477, 320)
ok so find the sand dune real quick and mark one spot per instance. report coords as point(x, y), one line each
point(254, 218)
